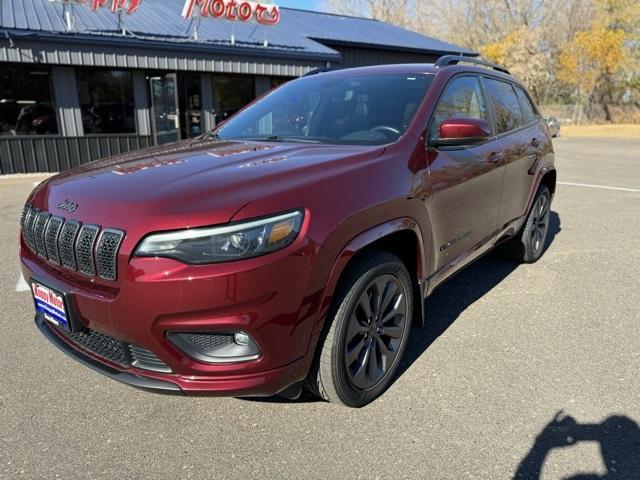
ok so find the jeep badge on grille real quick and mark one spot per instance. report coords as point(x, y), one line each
point(68, 205)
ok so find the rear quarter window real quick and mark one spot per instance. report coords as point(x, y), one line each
point(504, 104)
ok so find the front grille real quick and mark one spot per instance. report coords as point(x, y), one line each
point(116, 351)
point(39, 227)
point(51, 239)
point(84, 249)
point(67, 242)
point(78, 247)
point(28, 227)
point(107, 252)
point(102, 345)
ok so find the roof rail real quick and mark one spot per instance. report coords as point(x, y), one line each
point(321, 70)
point(447, 60)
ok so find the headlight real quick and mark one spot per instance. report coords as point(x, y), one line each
point(225, 243)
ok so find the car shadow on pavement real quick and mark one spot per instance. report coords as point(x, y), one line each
point(445, 306)
point(618, 436)
point(448, 302)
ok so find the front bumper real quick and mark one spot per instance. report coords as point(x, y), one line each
point(273, 298)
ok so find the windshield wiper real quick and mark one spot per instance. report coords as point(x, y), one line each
point(278, 138)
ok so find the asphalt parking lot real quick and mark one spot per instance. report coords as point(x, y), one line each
point(507, 348)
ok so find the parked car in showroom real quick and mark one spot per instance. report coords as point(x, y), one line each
point(293, 246)
point(554, 126)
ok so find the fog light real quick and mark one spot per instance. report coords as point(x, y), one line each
point(216, 347)
point(241, 338)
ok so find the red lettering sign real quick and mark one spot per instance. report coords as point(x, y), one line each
point(266, 14)
point(115, 6)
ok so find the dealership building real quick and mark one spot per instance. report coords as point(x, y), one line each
point(85, 79)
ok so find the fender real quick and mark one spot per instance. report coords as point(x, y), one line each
point(362, 241)
point(543, 171)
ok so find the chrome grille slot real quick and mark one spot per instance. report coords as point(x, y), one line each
point(27, 230)
point(66, 244)
point(107, 253)
point(23, 216)
point(147, 360)
point(39, 227)
point(51, 239)
point(84, 249)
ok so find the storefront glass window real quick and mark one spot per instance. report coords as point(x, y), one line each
point(277, 81)
point(106, 100)
point(230, 94)
point(26, 101)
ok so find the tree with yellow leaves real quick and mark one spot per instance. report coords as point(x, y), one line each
point(591, 61)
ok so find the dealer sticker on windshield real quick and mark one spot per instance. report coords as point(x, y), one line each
point(50, 304)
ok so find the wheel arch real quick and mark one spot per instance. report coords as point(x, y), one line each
point(401, 237)
point(547, 176)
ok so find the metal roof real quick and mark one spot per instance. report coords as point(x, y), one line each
point(299, 32)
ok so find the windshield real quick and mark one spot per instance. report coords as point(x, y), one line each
point(360, 110)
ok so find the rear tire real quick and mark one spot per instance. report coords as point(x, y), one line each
point(528, 246)
point(368, 329)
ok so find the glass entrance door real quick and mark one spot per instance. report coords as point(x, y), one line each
point(164, 104)
point(190, 105)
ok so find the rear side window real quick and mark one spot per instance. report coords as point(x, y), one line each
point(505, 105)
point(528, 110)
point(462, 97)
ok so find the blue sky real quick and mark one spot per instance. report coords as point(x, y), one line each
point(305, 4)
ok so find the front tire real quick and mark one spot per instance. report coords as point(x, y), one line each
point(528, 246)
point(369, 328)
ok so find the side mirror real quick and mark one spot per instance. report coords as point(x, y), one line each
point(463, 131)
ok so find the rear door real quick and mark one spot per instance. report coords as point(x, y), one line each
point(522, 138)
point(466, 180)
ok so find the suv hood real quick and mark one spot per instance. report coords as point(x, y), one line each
point(191, 183)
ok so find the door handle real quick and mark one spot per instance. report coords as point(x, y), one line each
point(495, 157)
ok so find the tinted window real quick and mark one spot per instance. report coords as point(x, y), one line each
point(505, 105)
point(26, 101)
point(365, 110)
point(528, 111)
point(106, 101)
point(462, 97)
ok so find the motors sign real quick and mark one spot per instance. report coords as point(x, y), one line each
point(264, 13)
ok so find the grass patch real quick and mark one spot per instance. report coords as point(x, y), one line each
point(624, 130)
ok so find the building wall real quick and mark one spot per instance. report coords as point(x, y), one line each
point(22, 154)
point(165, 58)
point(26, 154)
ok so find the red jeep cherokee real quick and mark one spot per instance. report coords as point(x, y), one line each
point(295, 244)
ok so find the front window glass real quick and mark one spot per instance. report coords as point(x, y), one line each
point(506, 108)
point(106, 101)
point(365, 110)
point(461, 98)
point(26, 101)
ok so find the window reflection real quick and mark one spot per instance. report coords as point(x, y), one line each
point(461, 98)
point(26, 101)
point(506, 108)
point(106, 101)
point(230, 94)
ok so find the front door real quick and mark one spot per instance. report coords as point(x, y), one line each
point(466, 181)
point(164, 105)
